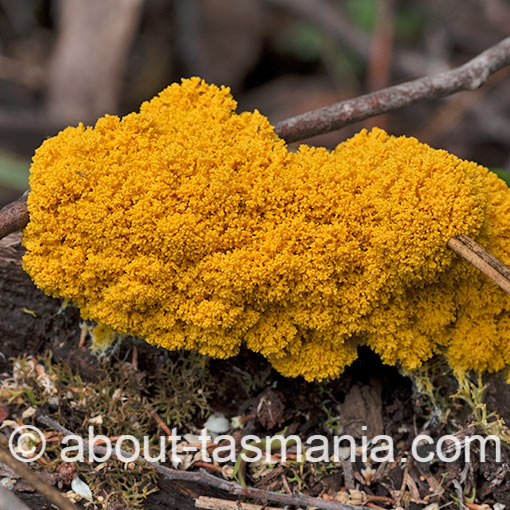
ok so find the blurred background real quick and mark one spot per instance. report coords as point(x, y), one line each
point(66, 61)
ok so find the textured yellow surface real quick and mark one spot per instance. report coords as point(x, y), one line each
point(193, 227)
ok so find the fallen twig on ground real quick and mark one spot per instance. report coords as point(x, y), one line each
point(203, 478)
point(227, 504)
point(36, 481)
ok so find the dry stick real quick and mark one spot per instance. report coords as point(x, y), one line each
point(36, 481)
point(482, 260)
point(296, 499)
point(204, 478)
point(207, 503)
point(14, 216)
point(381, 55)
point(469, 76)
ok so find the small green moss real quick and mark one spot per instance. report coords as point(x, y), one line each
point(122, 401)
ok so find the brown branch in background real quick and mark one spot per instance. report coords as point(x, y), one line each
point(469, 76)
point(204, 478)
point(381, 55)
point(482, 260)
point(36, 481)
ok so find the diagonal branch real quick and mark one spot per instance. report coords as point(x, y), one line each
point(204, 478)
point(14, 216)
point(469, 76)
point(30, 476)
point(489, 265)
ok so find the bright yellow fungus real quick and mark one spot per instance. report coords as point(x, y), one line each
point(193, 227)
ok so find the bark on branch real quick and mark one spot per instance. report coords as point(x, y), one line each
point(469, 76)
point(22, 469)
point(467, 248)
point(14, 216)
point(206, 479)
